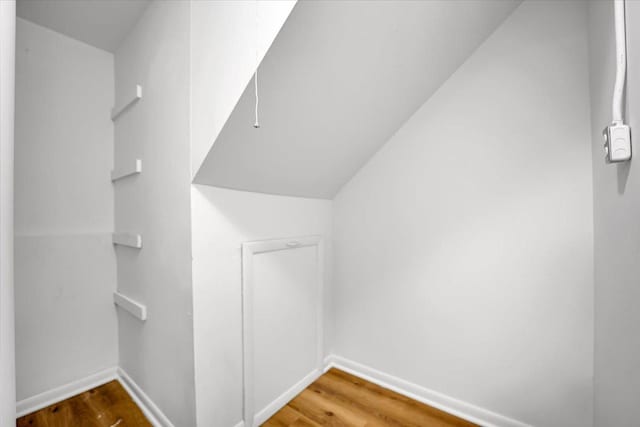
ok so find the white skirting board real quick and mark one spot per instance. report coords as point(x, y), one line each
point(429, 397)
point(282, 401)
point(150, 410)
point(448, 404)
point(58, 394)
point(42, 400)
point(124, 171)
point(136, 309)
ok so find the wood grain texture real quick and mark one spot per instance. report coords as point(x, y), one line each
point(106, 406)
point(340, 399)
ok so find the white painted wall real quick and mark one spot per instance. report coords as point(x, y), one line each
point(65, 266)
point(64, 96)
point(7, 333)
point(103, 24)
point(222, 220)
point(463, 249)
point(617, 235)
point(66, 321)
point(229, 38)
point(157, 354)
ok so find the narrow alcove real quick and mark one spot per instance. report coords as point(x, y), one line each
point(421, 231)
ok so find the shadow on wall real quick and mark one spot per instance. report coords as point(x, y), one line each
point(623, 176)
point(222, 220)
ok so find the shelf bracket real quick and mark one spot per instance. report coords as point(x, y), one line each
point(137, 310)
point(128, 239)
point(125, 171)
point(117, 111)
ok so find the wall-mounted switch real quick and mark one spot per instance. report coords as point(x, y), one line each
point(617, 143)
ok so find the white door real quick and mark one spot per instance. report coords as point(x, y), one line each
point(282, 307)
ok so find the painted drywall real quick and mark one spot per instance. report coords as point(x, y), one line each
point(616, 213)
point(103, 24)
point(158, 353)
point(66, 320)
point(463, 249)
point(7, 330)
point(65, 266)
point(222, 221)
point(64, 96)
point(228, 39)
point(338, 81)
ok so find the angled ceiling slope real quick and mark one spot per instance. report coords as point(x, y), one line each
point(338, 81)
point(100, 23)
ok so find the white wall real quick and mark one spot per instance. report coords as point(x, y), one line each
point(157, 354)
point(229, 38)
point(463, 249)
point(7, 335)
point(65, 94)
point(65, 266)
point(222, 221)
point(616, 213)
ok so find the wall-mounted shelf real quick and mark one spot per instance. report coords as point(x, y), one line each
point(126, 170)
point(135, 97)
point(136, 309)
point(128, 239)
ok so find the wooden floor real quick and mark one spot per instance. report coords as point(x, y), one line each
point(341, 399)
point(106, 406)
point(335, 399)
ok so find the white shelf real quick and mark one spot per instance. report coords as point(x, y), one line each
point(127, 170)
point(128, 239)
point(136, 309)
point(135, 97)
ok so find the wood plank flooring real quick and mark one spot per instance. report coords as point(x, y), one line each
point(106, 406)
point(340, 399)
point(336, 399)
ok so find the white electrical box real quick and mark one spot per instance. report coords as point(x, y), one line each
point(617, 143)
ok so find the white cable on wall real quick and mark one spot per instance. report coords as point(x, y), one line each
point(617, 136)
point(621, 63)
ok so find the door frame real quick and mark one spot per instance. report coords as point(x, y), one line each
point(249, 249)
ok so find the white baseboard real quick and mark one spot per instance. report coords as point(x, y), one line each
point(150, 409)
point(448, 404)
point(42, 400)
point(282, 401)
point(443, 402)
point(285, 398)
point(58, 394)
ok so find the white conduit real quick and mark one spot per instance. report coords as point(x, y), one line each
point(621, 63)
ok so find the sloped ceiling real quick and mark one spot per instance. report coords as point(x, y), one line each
point(100, 23)
point(338, 81)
